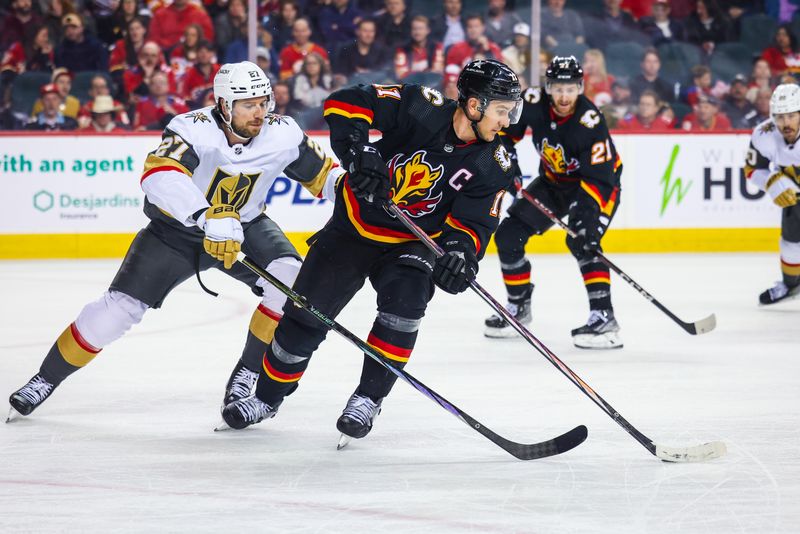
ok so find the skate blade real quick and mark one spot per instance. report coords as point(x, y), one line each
point(607, 341)
point(500, 333)
point(12, 415)
point(344, 439)
point(222, 427)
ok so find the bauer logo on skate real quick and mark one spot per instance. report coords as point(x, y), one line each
point(413, 180)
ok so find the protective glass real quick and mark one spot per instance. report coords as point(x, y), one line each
point(504, 109)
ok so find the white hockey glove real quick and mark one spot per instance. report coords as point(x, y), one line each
point(224, 234)
point(782, 189)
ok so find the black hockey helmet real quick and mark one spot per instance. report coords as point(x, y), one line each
point(487, 80)
point(564, 69)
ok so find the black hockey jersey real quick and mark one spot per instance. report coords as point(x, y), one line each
point(450, 188)
point(576, 152)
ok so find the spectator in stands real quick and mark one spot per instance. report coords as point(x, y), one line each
point(783, 56)
point(200, 76)
point(264, 61)
point(337, 23)
point(284, 104)
point(125, 53)
point(312, 85)
point(621, 104)
point(560, 25)
point(518, 54)
point(596, 79)
point(760, 78)
point(661, 27)
point(21, 19)
point(736, 106)
point(136, 79)
point(62, 81)
point(292, 55)
point(103, 108)
point(500, 23)
point(184, 55)
point(648, 115)
point(80, 51)
point(231, 25)
point(760, 111)
point(476, 46)
point(365, 54)
point(650, 79)
point(125, 13)
point(610, 26)
point(35, 54)
point(265, 40)
point(53, 15)
point(280, 26)
point(169, 22)
point(394, 25)
point(421, 53)
point(702, 85)
point(706, 116)
point(51, 118)
point(154, 111)
point(448, 28)
point(708, 25)
point(98, 86)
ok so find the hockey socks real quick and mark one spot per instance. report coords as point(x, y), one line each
point(69, 353)
point(262, 329)
point(597, 279)
point(517, 279)
point(395, 346)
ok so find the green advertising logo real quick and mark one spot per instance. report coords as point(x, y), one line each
point(43, 200)
point(672, 188)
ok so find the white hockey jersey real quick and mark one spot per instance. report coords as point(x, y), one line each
point(769, 154)
point(194, 166)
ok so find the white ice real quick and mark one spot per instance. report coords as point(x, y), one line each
point(127, 444)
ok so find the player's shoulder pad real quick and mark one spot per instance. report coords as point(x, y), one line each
point(765, 136)
point(193, 125)
point(282, 128)
point(588, 115)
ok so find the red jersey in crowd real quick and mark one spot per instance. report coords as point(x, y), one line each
point(149, 112)
point(195, 82)
point(410, 58)
point(168, 24)
point(292, 56)
point(719, 123)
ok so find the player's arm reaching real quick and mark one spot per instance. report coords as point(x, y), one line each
point(350, 114)
point(758, 170)
point(317, 172)
point(167, 182)
point(472, 220)
point(598, 192)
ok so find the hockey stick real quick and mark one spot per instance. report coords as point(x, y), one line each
point(698, 453)
point(702, 326)
point(523, 451)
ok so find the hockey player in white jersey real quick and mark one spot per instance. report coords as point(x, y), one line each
point(205, 188)
point(773, 163)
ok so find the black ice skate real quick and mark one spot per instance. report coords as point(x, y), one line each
point(357, 417)
point(240, 384)
point(29, 396)
point(245, 412)
point(777, 293)
point(601, 331)
point(497, 327)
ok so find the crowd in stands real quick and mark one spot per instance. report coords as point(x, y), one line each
point(657, 65)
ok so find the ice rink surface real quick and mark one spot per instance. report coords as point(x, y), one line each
point(126, 444)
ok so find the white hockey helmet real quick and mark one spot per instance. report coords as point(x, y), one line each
point(237, 81)
point(785, 99)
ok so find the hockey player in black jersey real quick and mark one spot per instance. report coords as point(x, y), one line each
point(443, 164)
point(579, 177)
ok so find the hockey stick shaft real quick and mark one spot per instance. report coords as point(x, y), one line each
point(700, 327)
point(557, 445)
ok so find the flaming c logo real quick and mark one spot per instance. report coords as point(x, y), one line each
point(412, 183)
point(554, 158)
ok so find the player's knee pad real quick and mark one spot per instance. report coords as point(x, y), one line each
point(109, 317)
point(510, 239)
point(404, 292)
point(299, 333)
point(790, 251)
point(284, 269)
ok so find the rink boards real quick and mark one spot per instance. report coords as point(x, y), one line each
point(74, 196)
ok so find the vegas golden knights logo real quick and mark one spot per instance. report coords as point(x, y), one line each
point(231, 189)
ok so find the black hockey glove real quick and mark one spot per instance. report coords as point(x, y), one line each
point(584, 220)
point(368, 175)
point(455, 270)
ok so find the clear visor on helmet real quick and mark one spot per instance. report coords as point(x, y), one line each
point(504, 110)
